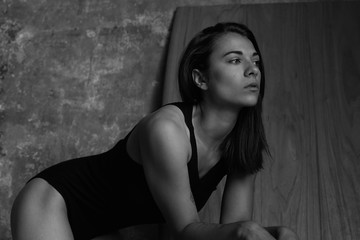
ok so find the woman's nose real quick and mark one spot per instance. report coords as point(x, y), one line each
point(251, 70)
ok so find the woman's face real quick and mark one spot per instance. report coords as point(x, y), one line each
point(233, 77)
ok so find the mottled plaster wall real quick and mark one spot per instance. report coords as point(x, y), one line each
point(75, 76)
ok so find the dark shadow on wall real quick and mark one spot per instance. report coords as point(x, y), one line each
point(157, 95)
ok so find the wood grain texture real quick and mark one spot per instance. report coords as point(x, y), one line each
point(311, 111)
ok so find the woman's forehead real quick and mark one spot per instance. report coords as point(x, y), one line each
point(233, 42)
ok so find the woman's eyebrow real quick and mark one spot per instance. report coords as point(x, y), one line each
point(239, 53)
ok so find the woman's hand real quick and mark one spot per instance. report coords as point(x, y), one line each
point(287, 234)
point(252, 231)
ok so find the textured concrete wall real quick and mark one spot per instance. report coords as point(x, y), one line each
point(75, 76)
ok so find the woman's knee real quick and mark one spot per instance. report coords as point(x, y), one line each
point(37, 209)
point(23, 208)
point(30, 199)
point(26, 209)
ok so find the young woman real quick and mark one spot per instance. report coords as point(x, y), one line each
point(166, 168)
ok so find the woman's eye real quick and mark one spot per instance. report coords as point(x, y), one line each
point(235, 61)
point(256, 62)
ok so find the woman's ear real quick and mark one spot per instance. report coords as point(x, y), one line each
point(199, 79)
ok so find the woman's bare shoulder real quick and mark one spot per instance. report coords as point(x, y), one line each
point(168, 116)
point(165, 127)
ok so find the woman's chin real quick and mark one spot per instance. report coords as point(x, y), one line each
point(250, 101)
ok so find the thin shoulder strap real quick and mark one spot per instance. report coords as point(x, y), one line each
point(187, 110)
point(201, 188)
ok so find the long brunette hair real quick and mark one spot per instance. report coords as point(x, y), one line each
point(242, 148)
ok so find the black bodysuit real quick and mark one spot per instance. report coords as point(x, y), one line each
point(109, 191)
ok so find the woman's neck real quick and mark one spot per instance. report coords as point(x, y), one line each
point(214, 124)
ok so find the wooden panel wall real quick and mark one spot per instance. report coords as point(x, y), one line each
point(311, 111)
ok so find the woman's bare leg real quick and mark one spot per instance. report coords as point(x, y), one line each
point(39, 213)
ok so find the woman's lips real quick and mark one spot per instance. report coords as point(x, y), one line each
point(252, 87)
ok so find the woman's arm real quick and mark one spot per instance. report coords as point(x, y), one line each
point(237, 205)
point(165, 150)
point(238, 197)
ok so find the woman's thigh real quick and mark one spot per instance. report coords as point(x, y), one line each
point(39, 212)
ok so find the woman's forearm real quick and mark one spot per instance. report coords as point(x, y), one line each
point(274, 231)
point(230, 231)
point(209, 231)
point(281, 233)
